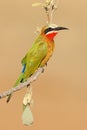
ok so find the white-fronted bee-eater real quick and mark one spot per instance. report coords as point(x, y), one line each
point(40, 52)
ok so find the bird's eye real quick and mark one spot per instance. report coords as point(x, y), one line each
point(48, 30)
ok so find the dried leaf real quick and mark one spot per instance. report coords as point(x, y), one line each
point(27, 98)
point(27, 117)
point(48, 2)
point(36, 4)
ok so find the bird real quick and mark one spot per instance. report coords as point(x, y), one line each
point(39, 54)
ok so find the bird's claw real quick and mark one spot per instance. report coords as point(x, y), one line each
point(46, 64)
point(43, 70)
point(28, 85)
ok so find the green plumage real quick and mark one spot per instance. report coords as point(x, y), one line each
point(34, 57)
point(39, 53)
point(32, 60)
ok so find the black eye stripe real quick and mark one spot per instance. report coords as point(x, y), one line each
point(48, 30)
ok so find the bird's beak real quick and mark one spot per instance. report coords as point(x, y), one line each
point(60, 28)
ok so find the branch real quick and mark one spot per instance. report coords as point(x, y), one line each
point(22, 85)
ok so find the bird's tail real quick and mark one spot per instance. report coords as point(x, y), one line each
point(19, 80)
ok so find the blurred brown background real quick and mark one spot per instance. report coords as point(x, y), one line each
point(60, 94)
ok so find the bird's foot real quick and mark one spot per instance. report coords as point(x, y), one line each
point(28, 85)
point(46, 64)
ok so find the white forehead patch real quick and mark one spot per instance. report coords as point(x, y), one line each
point(53, 25)
point(51, 32)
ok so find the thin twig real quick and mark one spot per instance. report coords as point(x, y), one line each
point(22, 85)
point(50, 7)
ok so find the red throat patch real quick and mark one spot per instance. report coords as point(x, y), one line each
point(51, 35)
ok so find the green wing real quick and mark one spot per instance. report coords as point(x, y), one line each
point(23, 61)
point(33, 58)
point(32, 61)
